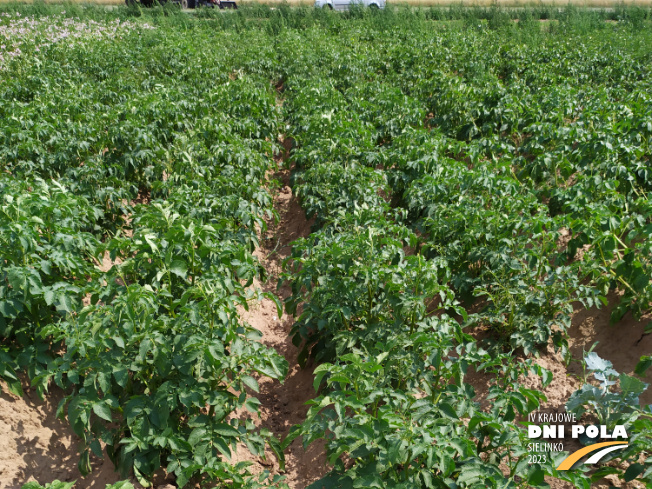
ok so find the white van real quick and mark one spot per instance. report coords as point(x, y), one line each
point(345, 4)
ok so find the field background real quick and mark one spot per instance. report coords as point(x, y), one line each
point(606, 4)
point(265, 56)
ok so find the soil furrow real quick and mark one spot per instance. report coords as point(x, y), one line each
point(283, 405)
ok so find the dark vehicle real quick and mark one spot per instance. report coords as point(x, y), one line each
point(186, 4)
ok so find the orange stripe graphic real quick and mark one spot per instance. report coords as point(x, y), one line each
point(569, 461)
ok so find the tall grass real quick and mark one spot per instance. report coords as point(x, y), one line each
point(276, 17)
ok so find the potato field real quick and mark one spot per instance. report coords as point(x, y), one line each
point(293, 248)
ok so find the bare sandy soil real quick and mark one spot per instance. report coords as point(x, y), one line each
point(35, 445)
point(283, 405)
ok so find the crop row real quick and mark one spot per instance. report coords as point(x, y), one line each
point(128, 221)
point(449, 174)
point(382, 317)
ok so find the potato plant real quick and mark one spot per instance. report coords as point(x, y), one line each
point(127, 238)
point(461, 198)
